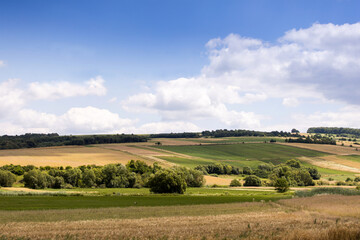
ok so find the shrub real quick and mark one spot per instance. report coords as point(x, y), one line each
point(235, 183)
point(357, 179)
point(36, 179)
point(167, 181)
point(252, 180)
point(247, 171)
point(7, 178)
point(193, 178)
point(281, 185)
point(341, 183)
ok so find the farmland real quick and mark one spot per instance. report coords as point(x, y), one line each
point(215, 212)
point(319, 217)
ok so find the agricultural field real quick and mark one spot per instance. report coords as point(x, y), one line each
point(215, 212)
point(318, 217)
point(241, 155)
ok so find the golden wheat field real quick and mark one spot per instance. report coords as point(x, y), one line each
point(66, 156)
point(320, 217)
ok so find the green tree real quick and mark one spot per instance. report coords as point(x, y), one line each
point(7, 178)
point(252, 180)
point(281, 185)
point(167, 181)
point(235, 183)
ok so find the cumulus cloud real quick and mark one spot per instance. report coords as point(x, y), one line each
point(320, 63)
point(11, 97)
point(75, 120)
point(56, 90)
point(166, 127)
point(290, 102)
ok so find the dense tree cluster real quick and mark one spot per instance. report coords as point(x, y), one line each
point(334, 130)
point(218, 168)
point(241, 133)
point(135, 174)
point(316, 139)
point(31, 140)
point(175, 135)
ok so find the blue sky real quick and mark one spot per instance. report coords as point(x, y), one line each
point(78, 67)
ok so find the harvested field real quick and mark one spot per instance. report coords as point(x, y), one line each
point(329, 163)
point(65, 156)
point(290, 219)
point(173, 141)
point(210, 180)
point(331, 149)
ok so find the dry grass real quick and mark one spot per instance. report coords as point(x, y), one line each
point(173, 141)
point(210, 180)
point(336, 205)
point(331, 149)
point(64, 156)
point(320, 217)
point(331, 162)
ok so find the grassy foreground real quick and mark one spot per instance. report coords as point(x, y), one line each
point(320, 217)
point(193, 197)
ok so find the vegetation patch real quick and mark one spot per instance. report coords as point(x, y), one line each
point(334, 190)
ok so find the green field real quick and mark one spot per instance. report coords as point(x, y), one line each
point(354, 158)
point(237, 139)
point(238, 155)
point(194, 196)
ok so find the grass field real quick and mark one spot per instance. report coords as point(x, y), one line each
point(193, 197)
point(239, 155)
point(319, 217)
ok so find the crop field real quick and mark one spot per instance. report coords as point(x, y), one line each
point(241, 155)
point(319, 217)
point(65, 156)
point(238, 140)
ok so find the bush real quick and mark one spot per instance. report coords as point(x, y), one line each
point(281, 185)
point(252, 180)
point(341, 183)
point(36, 179)
point(247, 171)
point(7, 178)
point(167, 181)
point(193, 178)
point(235, 183)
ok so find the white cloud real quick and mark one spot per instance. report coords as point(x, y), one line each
point(75, 120)
point(2, 63)
point(11, 97)
point(56, 90)
point(290, 102)
point(166, 127)
point(320, 63)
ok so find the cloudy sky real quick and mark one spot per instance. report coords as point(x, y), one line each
point(84, 66)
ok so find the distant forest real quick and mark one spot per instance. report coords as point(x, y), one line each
point(224, 133)
point(335, 130)
point(33, 140)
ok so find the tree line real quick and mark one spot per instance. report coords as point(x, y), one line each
point(135, 174)
point(334, 130)
point(316, 139)
point(33, 140)
point(245, 133)
point(294, 173)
